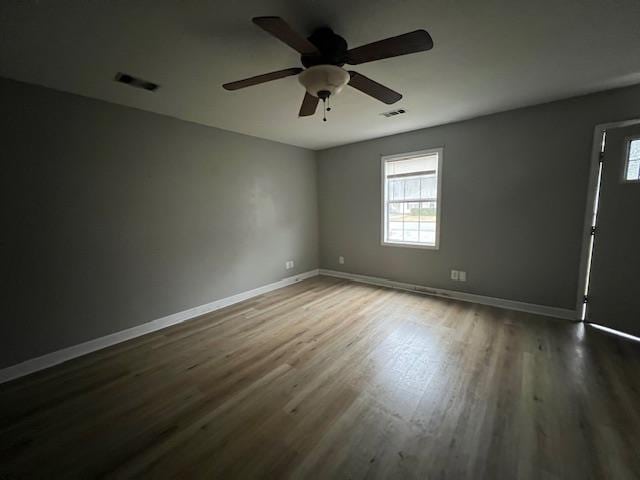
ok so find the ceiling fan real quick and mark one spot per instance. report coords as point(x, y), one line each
point(324, 53)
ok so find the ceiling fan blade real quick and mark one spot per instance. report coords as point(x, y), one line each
point(283, 32)
point(309, 105)
point(266, 77)
point(412, 42)
point(373, 89)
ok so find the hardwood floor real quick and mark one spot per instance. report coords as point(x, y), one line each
point(333, 379)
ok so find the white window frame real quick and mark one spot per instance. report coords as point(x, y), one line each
point(383, 221)
point(627, 151)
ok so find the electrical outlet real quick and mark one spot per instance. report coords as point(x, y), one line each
point(455, 274)
point(462, 276)
point(341, 260)
point(288, 264)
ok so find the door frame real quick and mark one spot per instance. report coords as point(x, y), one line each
point(592, 188)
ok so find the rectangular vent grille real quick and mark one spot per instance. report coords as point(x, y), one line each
point(429, 291)
point(136, 82)
point(393, 113)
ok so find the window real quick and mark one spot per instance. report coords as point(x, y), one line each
point(632, 170)
point(410, 199)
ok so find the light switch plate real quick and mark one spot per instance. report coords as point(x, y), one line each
point(454, 274)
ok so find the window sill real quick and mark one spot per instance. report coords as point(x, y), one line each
point(410, 245)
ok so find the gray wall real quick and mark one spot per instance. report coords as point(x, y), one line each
point(115, 217)
point(514, 193)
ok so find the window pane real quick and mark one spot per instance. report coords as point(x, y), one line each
point(428, 222)
point(395, 219)
point(411, 236)
point(633, 170)
point(633, 163)
point(395, 212)
point(412, 212)
point(428, 186)
point(428, 212)
point(395, 231)
point(428, 238)
point(412, 188)
point(396, 189)
point(634, 150)
point(411, 221)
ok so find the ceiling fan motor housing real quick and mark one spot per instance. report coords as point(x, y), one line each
point(332, 47)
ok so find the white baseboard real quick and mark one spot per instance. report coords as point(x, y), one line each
point(555, 312)
point(59, 356)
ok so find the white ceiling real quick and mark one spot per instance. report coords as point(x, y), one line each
point(489, 56)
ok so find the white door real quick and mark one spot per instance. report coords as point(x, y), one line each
point(614, 288)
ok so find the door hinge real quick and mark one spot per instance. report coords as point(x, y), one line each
point(594, 230)
point(585, 299)
point(601, 156)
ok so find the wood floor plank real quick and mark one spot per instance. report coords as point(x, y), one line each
point(334, 379)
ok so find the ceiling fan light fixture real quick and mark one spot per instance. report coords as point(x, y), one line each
point(324, 78)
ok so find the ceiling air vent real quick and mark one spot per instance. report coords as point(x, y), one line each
point(135, 82)
point(393, 113)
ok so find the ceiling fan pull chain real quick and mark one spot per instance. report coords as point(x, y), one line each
point(324, 104)
point(329, 104)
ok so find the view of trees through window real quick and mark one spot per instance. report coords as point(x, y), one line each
point(411, 198)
